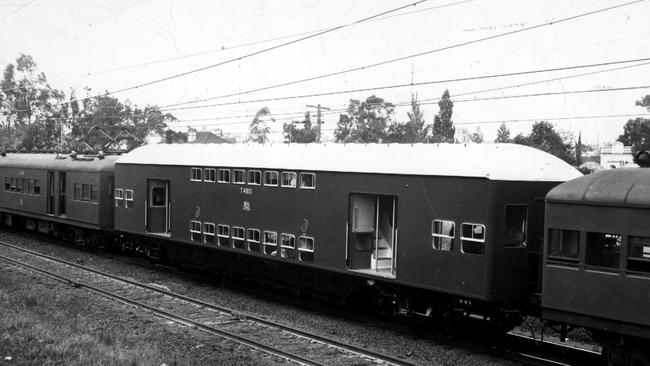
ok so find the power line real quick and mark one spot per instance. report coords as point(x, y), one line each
point(457, 45)
point(17, 10)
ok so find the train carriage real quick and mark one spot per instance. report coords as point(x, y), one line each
point(63, 195)
point(421, 224)
point(597, 260)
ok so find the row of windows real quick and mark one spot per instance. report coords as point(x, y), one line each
point(86, 192)
point(23, 185)
point(601, 249)
point(123, 197)
point(472, 236)
point(253, 240)
point(253, 177)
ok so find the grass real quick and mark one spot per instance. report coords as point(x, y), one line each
point(43, 322)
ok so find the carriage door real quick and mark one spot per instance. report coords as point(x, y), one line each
point(158, 207)
point(62, 186)
point(50, 193)
point(372, 235)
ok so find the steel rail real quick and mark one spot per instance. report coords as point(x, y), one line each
point(297, 332)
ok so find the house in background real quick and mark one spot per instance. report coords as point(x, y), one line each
point(616, 155)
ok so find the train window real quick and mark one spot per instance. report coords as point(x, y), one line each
point(195, 230)
point(118, 196)
point(7, 183)
point(19, 184)
point(224, 176)
point(111, 185)
point(443, 232)
point(210, 175)
point(253, 239)
point(287, 245)
point(238, 237)
point(85, 192)
point(516, 225)
point(270, 178)
point(195, 175)
point(288, 179)
point(128, 198)
point(238, 176)
point(37, 187)
point(208, 233)
point(308, 180)
point(638, 256)
point(254, 177)
point(13, 184)
point(603, 250)
point(563, 244)
point(306, 248)
point(94, 193)
point(77, 192)
point(472, 238)
point(30, 186)
point(270, 242)
point(223, 234)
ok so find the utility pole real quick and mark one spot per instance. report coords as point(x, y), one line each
point(318, 119)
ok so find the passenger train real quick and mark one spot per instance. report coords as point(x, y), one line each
point(485, 231)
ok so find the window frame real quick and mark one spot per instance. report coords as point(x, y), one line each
point(441, 236)
point(208, 233)
point(268, 244)
point(253, 241)
point(313, 180)
point(223, 173)
point(563, 258)
point(464, 239)
point(128, 201)
point(209, 175)
point(234, 176)
point(193, 230)
point(238, 239)
point(292, 182)
point(267, 177)
point(193, 176)
point(254, 173)
point(221, 235)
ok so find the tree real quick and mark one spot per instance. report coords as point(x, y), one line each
point(477, 136)
point(636, 133)
point(413, 131)
point(503, 134)
point(366, 121)
point(305, 135)
point(259, 131)
point(544, 137)
point(443, 126)
point(579, 150)
point(645, 102)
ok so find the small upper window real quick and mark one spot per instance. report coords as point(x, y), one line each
point(128, 198)
point(209, 175)
point(37, 187)
point(223, 176)
point(308, 180)
point(30, 186)
point(288, 179)
point(238, 176)
point(7, 184)
point(270, 178)
point(563, 244)
point(472, 238)
point(516, 225)
point(158, 196)
point(254, 177)
point(638, 256)
point(443, 232)
point(196, 175)
point(287, 245)
point(603, 250)
point(77, 191)
point(94, 193)
point(195, 230)
point(119, 195)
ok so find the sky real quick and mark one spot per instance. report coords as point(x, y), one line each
point(166, 52)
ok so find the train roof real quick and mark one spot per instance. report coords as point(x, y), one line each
point(492, 161)
point(51, 162)
point(619, 187)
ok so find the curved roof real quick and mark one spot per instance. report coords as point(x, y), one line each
point(492, 161)
point(626, 186)
point(50, 162)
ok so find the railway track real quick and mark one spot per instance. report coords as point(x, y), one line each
point(290, 344)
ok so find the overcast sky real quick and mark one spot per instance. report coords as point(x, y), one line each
point(119, 44)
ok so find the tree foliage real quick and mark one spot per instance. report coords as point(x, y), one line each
point(304, 135)
point(415, 130)
point(443, 126)
point(258, 129)
point(366, 121)
point(636, 133)
point(544, 137)
point(503, 134)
